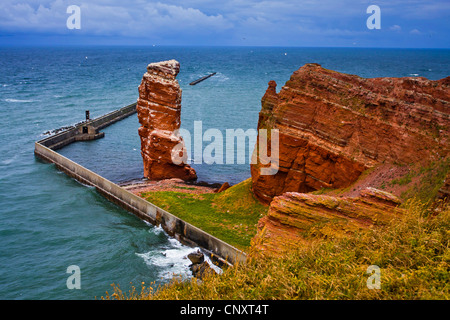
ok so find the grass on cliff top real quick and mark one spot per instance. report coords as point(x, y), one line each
point(413, 256)
point(231, 215)
point(422, 182)
point(429, 180)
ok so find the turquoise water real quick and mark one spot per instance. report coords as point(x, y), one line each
point(48, 221)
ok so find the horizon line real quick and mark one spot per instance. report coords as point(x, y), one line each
point(42, 45)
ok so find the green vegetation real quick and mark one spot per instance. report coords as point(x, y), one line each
point(421, 182)
point(184, 188)
point(407, 178)
point(230, 215)
point(424, 182)
point(412, 253)
point(323, 191)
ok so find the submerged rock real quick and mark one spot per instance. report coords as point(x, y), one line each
point(196, 257)
point(199, 267)
point(201, 270)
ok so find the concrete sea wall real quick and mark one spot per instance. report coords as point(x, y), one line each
point(186, 233)
point(75, 133)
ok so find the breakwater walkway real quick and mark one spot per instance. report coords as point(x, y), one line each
point(220, 251)
point(193, 83)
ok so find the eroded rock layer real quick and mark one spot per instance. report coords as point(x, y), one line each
point(293, 218)
point(159, 109)
point(332, 126)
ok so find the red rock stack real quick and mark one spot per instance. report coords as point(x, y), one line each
point(159, 109)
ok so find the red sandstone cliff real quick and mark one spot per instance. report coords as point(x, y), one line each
point(159, 108)
point(332, 126)
point(293, 218)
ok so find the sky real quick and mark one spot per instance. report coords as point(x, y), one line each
point(299, 23)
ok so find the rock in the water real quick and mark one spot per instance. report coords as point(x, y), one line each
point(332, 126)
point(201, 270)
point(196, 257)
point(199, 267)
point(158, 108)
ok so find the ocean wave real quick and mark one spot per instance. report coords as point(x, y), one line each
point(221, 77)
point(172, 262)
point(8, 161)
point(18, 100)
point(177, 244)
point(154, 229)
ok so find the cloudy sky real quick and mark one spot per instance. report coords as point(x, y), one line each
point(412, 23)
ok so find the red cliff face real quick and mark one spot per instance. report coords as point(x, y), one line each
point(293, 218)
point(158, 109)
point(332, 126)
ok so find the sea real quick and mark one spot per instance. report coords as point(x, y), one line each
point(50, 222)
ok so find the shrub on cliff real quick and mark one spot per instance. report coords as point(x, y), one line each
point(413, 256)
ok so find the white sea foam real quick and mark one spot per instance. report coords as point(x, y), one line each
point(8, 161)
point(155, 229)
point(414, 74)
point(172, 262)
point(148, 223)
point(175, 243)
point(17, 100)
point(212, 265)
point(221, 77)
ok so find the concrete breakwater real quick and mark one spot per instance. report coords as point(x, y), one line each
point(220, 251)
point(87, 130)
point(193, 83)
